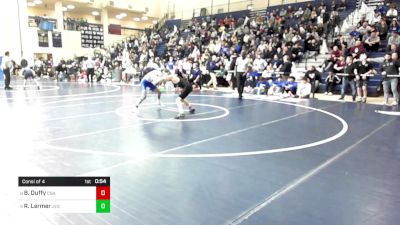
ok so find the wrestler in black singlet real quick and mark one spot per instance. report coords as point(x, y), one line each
point(186, 87)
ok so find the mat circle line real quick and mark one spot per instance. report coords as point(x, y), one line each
point(343, 131)
point(226, 113)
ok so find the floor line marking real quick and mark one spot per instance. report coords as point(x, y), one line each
point(47, 217)
point(116, 88)
point(102, 219)
point(88, 98)
point(224, 110)
point(390, 113)
point(125, 127)
point(162, 153)
point(20, 88)
point(242, 217)
point(85, 219)
point(81, 104)
point(124, 211)
point(78, 116)
point(67, 219)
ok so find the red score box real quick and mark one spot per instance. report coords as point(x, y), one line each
point(103, 193)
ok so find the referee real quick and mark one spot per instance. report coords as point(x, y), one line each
point(241, 66)
point(6, 66)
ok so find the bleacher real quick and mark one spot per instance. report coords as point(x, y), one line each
point(374, 85)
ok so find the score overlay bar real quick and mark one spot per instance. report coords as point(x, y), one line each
point(64, 194)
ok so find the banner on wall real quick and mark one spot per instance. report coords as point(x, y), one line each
point(114, 29)
point(92, 36)
point(43, 38)
point(57, 39)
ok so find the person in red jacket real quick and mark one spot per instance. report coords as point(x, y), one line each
point(357, 50)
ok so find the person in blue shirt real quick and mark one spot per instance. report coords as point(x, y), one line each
point(238, 48)
point(383, 9)
point(252, 78)
point(276, 87)
point(170, 64)
point(276, 62)
point(354, 33)
point(195, 75)
point(225, 50)
point(28, 73)
point(263, 85)
point(211, 67)
point(290, 87)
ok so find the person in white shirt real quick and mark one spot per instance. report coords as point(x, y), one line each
point(299, 13)
point(151, 79)
point(89, 64)
point(6, 66)
point(241, 68)
point(187, 66)
point(303, 89)
point(392, 12)
point(260, 64)
point(129, 72)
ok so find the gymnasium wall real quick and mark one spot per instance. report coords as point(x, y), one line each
point(71, 44)
point(10, 38)
point(71, 40)
point(185, 11)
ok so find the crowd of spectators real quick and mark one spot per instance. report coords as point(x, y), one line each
point(349, 54)
point(208, 50)
point(263, 51)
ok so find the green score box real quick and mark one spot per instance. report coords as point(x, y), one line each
point(102, 206)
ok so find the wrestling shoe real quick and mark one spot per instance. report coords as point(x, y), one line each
point(179, 116)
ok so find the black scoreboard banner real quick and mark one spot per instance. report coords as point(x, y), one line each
point(57, 39)
point(92, 36)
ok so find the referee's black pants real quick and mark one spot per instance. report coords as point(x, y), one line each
point(90, 74)
point(240, 80)
point(7, 80)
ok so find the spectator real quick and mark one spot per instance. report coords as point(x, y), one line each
point(276, 87)
point(286, 68)
point(394, 26)
point(290, 87)
point(342, 5)
point(357, 50)
point(382, 28)
point(331, 81)
point(372, 42)
point(392, 12)
point(303, 89)
point(211, 70)
point(195, 76)
point(363, 70)
point(348, 78)
point(390, 67)
point(354, 33)
point(334, 56)
point(313, 77)
point(394, 39)
point(339, 65)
